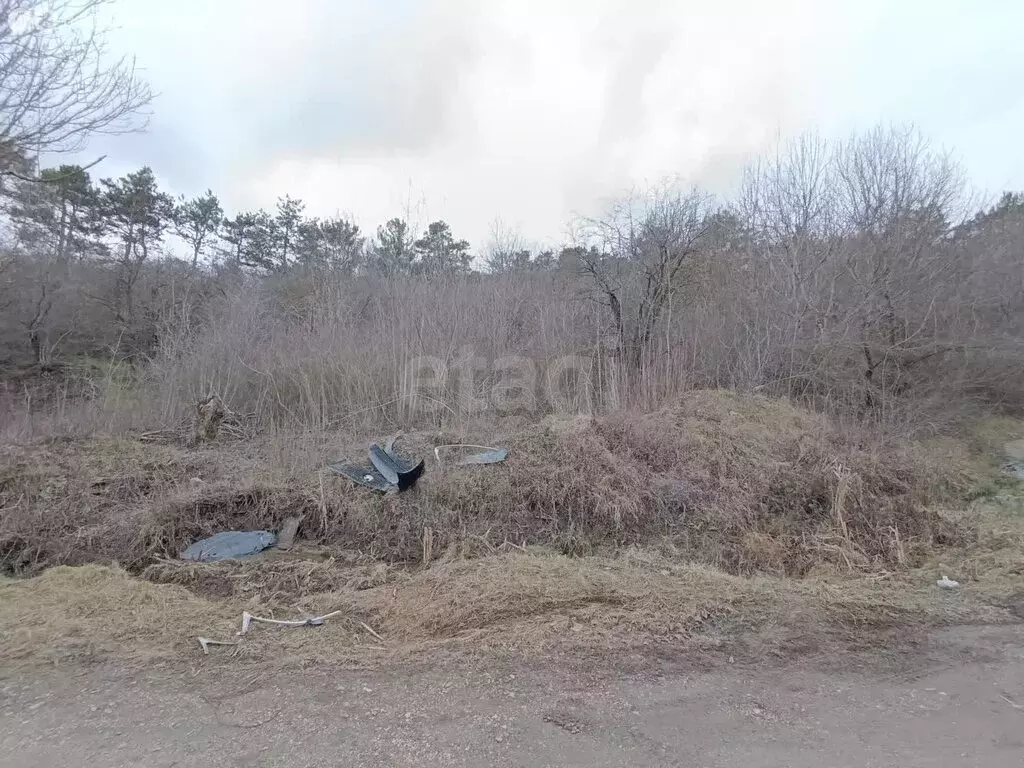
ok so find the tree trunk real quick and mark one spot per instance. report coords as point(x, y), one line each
point(37, 346)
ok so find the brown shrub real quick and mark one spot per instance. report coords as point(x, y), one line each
point(743, 483)
point(775, 488)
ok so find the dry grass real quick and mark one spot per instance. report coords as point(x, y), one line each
point(742, 483)
point(654, 531)
point(766, 486)
point(96, 611)
point(276, 578)
point(526, 603)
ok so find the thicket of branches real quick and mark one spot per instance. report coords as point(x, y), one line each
point(58, 86)
point(853, 276)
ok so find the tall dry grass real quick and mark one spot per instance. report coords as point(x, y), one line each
point(337, 354)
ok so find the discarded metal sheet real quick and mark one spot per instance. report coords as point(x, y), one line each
point(388, 471)
point(229, 545)
point(483, 455)
point(486, 457)
point(368, 477)
point(384, 464)
point(405, 465)
point(389, 444)
point(395, 470)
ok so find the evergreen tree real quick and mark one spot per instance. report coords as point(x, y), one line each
point(393, 249)
point(440, 253)
point(333, 244)
point(287, 221)
point(55, 222)
point(197, 222)
point(136, 214)
point(252, 239)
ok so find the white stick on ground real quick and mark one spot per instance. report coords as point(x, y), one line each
point(369, 629)
point(206, 642)
point(315, 621)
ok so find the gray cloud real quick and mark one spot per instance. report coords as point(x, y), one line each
point(372, 79)
point(531, 109)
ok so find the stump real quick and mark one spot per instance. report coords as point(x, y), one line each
point(209, 414)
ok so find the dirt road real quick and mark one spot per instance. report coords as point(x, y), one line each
point(955, 700)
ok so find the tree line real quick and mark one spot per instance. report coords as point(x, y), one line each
point(853, 268)
point(129, 218)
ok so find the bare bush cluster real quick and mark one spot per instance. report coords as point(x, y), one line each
point(850, 276)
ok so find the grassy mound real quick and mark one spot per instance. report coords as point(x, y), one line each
point(762, 486)
point(96, 611)
point(535, 602)
point(738, 482)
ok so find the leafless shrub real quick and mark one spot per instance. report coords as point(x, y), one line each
point(843, 275)
point(636, 259)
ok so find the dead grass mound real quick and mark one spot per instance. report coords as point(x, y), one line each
point(739, 482)
point(276, 579)
point(200, 510)
point(759, 485)
point(93, 611)
point(571, 491)
point(522, 603)
point(123, 501)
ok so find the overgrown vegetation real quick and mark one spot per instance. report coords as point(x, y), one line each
point(845, 277)
point(743, 483)
point(731, 391)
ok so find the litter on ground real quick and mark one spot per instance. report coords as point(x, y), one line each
point(206, 642)
point(312, 621)
point(483, 455)
point(286, 534)
point(228, 545)
point(388, 471)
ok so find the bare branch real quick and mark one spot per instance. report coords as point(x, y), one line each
point(53, 179)
point(58, 85)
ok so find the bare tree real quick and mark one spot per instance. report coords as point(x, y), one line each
point(788, 200)
point(900, 201)
point(505, 250)
point(58, 85)
point(635, 257)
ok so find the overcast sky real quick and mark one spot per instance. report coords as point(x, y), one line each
point(534, 109)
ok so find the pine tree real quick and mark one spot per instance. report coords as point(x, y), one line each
point(287, 221)
point(136, 214)
point(329, 244)
point(393, 250)
point(56, 223)
point(197, 222)
point(440, 253)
